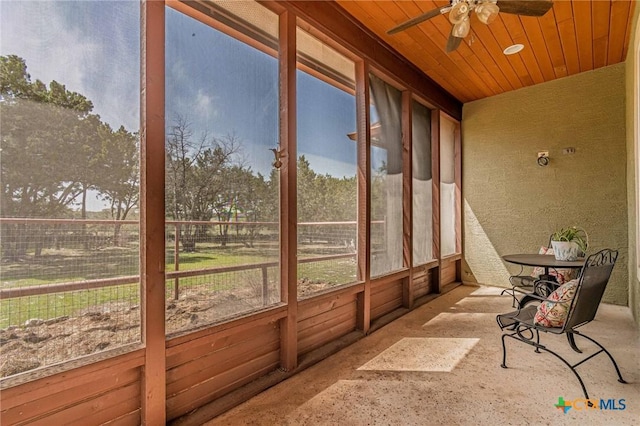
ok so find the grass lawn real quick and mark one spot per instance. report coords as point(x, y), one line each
point(72, 265)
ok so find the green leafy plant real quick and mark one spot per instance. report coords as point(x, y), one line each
point(572, 234)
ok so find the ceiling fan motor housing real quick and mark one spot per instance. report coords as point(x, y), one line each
point(486, 10)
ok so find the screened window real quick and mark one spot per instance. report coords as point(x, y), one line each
point(327, 187)
point(386, 178)
point(422, 184)
point(69, 242)
point(222, 191)
point(636, 124)
point(447, 187)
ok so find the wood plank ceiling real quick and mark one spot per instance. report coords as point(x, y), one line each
point(573, 37)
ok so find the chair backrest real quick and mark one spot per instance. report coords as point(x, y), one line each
point(591, 285)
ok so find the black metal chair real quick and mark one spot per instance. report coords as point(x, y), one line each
point(540, 289)
point(519, 325)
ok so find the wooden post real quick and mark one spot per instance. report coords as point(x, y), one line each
point(288, 194)
point(152, 231)
point(363, 140)
point(458, 202)
point(435, 198)
point(407, 197)
point(265, 286)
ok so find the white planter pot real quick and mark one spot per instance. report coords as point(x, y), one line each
point(564, 250)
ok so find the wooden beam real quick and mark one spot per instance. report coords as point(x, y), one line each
point(435, 197)
point(390, 278)
point(25, 388)
point(193, 339)
point(457, 158)
point(407, 197)
point(363, 140)
point(288, 191)
point(152, 233)
point(216, 17)
point(457, 173)
point(35, 290)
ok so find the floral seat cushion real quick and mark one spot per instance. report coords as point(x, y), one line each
point(561, 274)
point(550, 314)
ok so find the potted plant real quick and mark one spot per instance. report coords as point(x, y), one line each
point(569, 243)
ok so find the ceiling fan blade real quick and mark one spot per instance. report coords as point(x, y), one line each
point(453, 42)
point(525, 7)
point(420, 18)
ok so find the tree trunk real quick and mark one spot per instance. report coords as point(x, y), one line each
point(21, 241)
point(116, 228)
point(188, 240)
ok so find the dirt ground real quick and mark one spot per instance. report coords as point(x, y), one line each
point(38, 343)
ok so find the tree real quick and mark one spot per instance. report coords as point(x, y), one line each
point(37, 180)
point(259, 201)
point(310, 198)
point(379, 193)
point(195, 176)
point(47, 134)
point(15, 82)
point(227, 203)
point(119, 180)
point(53, 149)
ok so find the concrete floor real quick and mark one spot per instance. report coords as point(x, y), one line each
point(440, 365)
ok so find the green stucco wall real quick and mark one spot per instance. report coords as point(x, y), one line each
point(512, 205)
point(632, 70)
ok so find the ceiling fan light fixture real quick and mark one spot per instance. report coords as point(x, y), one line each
point(461, 29)
point(513, 49)
point(459, 12)
point(487, 12)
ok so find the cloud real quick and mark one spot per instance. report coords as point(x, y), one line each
point(204, 105)
point(92, 50)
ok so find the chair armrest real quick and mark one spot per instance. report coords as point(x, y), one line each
point(537, 296)
point(527, 293)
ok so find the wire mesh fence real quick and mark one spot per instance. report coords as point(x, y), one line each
point(210, 298)
point(326, 256)
point(69, 288)
point(45, 251)
point(218, 270)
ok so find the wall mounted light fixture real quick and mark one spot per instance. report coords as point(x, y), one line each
point(543, 158)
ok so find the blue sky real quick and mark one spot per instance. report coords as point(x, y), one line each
point(75, 44)
point(221, 85)
point(228, 87)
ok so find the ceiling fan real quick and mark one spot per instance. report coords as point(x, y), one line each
point(486, 10)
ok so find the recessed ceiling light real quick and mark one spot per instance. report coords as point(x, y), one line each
point(513, 49)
